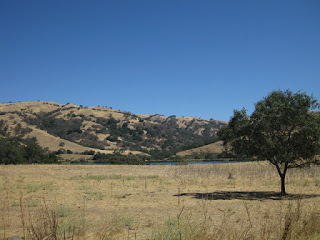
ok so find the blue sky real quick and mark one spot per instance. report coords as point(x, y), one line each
point(184, 58)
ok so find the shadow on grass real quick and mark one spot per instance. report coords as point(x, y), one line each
point(230, 195)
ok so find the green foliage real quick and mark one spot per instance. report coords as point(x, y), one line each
point(157, 154)
point(282, 130)
point(61, 151)
point(120, 159)
point(66, 129)
point(196, 156)
point(88, 152)
point(3, 128)
point(20, 131)
point(167, 135)
point(13, 152)
point(112, 138)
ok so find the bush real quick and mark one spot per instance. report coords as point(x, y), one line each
point(119, 159)
point(88, 152)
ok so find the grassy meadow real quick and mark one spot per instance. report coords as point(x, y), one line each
point(221, 201)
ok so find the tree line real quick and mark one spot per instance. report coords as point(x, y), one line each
point(19, 150)
point(13, 151)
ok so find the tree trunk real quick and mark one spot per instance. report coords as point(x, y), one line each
point(283, 186)
point(282, 175)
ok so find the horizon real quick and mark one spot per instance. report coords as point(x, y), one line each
point(185, 58)
point(110, 107)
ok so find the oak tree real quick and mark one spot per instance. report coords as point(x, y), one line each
point(283, 129)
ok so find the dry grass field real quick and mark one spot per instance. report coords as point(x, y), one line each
point(222, 201)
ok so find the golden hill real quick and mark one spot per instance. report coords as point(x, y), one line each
point(216, 147)
point(78, 129)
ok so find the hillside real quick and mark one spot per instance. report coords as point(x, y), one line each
point(77, 129)
point(216, 147)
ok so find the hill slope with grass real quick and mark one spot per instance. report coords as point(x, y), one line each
point(216, 147)
point(73, 128)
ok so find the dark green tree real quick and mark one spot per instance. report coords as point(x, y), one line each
point(11, 151)
point(283, 129)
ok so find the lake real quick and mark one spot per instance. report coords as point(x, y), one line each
point(172, 162)
point(187, 163)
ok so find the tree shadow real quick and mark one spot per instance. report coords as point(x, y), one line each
point(231, 195)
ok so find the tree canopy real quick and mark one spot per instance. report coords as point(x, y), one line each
point(13, 152)
point(283, 129)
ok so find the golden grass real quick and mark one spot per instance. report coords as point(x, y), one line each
point(216, 147)
point(222, 201)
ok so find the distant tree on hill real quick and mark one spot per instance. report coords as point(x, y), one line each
point(282, 130)
point(3, 128)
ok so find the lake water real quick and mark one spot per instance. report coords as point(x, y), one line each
point(174, 163)
point(187, 163)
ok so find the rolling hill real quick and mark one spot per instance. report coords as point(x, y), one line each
point(76, 129)
point(216, 147)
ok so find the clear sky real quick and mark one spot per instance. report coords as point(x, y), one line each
point(171, 57)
